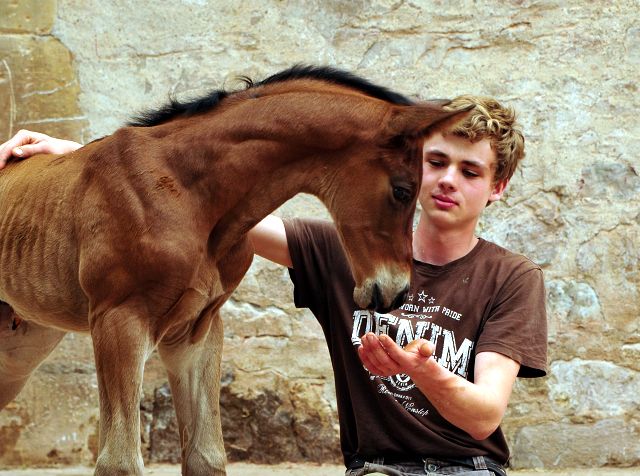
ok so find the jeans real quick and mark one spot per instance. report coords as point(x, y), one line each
point(431, 467)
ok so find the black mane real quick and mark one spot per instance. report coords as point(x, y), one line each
point(176, 108)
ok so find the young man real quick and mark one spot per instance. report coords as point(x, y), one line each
point(438, 372)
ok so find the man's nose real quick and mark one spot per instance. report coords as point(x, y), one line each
point(448, 178)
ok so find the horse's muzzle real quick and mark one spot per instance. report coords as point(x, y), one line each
point(377, 300)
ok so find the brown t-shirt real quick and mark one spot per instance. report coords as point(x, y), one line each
point(489, 300)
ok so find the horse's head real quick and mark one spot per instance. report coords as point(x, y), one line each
point(374, 212)
point(355, 145)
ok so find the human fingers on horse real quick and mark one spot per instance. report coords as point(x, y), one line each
point(18, 146)
point(60, 146)
point(27, 143)
point(6, 152)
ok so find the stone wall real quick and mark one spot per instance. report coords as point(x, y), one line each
point(78, 69)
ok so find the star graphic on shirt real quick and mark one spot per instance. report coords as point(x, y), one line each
point(432, 300)
point(410, 297)
point(422, 296)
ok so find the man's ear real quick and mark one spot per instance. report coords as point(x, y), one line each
point(498, 190)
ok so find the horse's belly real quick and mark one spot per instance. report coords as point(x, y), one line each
point(63, 321)
point(64, 309)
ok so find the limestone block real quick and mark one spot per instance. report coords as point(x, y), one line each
point(271, 420)
point(259, 338)
point(573, 302)
point(27, 16)
point(550, 445)
point(576, 323)
point(611, 259)
point(586, 391)
point(632, 45)
point(38, 88)
point(534, 228)
point(266, 284)
point(615, 181)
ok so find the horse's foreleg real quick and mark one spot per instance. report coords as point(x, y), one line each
point(22, 348)
point(121, 345)
point(194, 375)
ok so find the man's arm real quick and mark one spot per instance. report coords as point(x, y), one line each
point(270, 241)
point(475, 407)
point(26, 143)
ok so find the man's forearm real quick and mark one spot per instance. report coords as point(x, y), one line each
point(475, 408)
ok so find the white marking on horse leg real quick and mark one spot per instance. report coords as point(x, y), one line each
point(194, 375)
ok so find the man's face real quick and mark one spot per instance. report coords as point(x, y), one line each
point(457, 181)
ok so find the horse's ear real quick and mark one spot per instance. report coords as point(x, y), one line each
point(417, 120)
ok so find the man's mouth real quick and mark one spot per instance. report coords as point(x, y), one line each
point(444, 201)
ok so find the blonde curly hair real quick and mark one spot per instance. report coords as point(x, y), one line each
point(490, 119)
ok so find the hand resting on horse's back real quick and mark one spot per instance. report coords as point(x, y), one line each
point(26, 143)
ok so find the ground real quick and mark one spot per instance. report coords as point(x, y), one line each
point(292, 469)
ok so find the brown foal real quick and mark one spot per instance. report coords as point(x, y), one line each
point(140, 237)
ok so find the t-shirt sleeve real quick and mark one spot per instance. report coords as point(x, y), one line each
point(316, 254)
point(517, 324)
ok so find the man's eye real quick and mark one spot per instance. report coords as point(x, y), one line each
point(401, 194)
point(470, 173)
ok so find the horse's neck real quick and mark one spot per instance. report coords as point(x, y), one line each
point(246, 180)
point(272, 188)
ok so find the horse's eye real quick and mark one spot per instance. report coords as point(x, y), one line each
point(401, 194)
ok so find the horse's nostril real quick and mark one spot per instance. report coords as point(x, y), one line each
point(376, 298)
point(400, 298)
point(377, 301)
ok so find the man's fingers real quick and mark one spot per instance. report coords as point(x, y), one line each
point(382, 356)
point(21, 152)
point(368, 364)
point(25, 151)
point(17, 146)
point(394, 351)
point(379, 354)
point(5, 154)
point(427, 349)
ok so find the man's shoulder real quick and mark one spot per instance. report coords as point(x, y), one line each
point(508, 267)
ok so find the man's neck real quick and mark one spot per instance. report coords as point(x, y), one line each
point(439, 247)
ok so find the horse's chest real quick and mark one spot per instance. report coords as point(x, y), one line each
point(234, 265)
